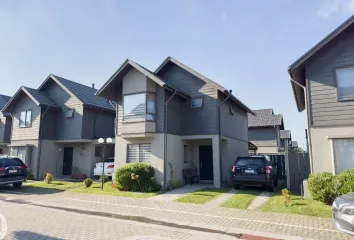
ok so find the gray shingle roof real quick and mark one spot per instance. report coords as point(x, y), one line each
point(294, 144)
point(3, 100)
point(264, 118)
point(86, 94)
point(285, 134)
point(41, 97)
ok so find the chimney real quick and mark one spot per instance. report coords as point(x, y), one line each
point(93, 86)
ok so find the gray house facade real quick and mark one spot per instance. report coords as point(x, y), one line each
point(56, 127)
point(264, 129)
point(323, 84)
point(176, 117)
point(5, 125)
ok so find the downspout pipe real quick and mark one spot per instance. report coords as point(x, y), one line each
point(219, 131)
point(165, 144)
point(40, 142)
point(308, 120)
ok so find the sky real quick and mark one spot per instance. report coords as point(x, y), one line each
point(244, 45)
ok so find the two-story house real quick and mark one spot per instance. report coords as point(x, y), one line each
point(5, 125)
point(264, 131)
point(323, 84)
point(176, 116)
point(56, 127)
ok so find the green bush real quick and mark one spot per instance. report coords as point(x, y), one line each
point(48, 178)
point(106, 179)
point(345, 182)
point(323, 187)
point(136, 177)
point(88, 182)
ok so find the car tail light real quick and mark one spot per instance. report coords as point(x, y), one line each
point(24, 166)
point(233, 169)
point(268, 170)
point(2, 169)
point(110, 166)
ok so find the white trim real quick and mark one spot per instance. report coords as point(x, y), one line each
point(191, 137)
point(331, 147)
point(340, 137)
point(75, 141)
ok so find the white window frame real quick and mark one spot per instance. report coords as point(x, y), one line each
point(339, 97)
point(197, 106)
point(332, 149)
point(149, 115)
point(25, 125)
point(69, 113)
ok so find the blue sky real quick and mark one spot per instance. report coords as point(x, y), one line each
point(244, 45)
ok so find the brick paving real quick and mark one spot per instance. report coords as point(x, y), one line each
point(191, 214)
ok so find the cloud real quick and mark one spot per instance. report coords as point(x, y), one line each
point(333, 6)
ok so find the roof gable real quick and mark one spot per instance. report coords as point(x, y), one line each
point(3, 100)
point(171, 60)
point(84, 94)
point(265, 118)
point(285, 134)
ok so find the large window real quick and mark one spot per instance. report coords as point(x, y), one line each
point(26, 119)
point(138, 152)
point(19, 152)
point(139, 106)
point(343, 154)
point(345, 83)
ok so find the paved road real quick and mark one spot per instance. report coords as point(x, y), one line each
point(37, 223)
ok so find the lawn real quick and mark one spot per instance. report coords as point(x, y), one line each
point(241, 200)
point(308, 207)
point(109, 190)
point(56, 185)
point(203, 196)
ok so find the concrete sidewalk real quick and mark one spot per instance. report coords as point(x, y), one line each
point(179, 192)
point(188, 215)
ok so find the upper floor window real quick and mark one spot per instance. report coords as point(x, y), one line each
point(26, 119)
point(197, 102)
point(345, 83)
point(139, 106)
point(69, 113)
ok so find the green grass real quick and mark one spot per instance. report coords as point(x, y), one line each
point(241, 200)
point(307, 207)
point(202, 196)
point(109, 190)
point(57, 185)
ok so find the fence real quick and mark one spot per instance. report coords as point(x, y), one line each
point(299, 169)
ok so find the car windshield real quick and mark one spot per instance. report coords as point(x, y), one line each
point(250, 161)
point(6, 162)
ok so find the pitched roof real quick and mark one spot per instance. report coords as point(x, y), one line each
point(3, 100)
point(294, 144)
point(297, 69)
point(285, 134)
point(264, 118)
point(86, 94)
point(202, 77)
point(124, 69)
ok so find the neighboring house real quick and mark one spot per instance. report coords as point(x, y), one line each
point(55, 127)
point(172, 116)
point(264, 131)
point(323, 84)
point(5, 125)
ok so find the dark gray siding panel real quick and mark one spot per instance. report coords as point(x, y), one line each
point(198, 120)
point(67, 128)
point(174, 114)
point(160, 109)
point(97, 124)
point(8, 127)
point(236, 125)
point(2, 127)
point(49, 123)
point(262, 134)
point(325, 109)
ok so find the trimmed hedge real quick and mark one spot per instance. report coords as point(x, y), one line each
point(137, 177)
point(325, 186)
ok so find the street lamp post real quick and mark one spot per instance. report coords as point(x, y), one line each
point(104, 141)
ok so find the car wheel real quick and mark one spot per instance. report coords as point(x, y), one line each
point(237, 186)
point(17, 185)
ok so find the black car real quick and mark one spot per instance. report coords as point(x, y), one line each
point(256, 170)
point(12, 171)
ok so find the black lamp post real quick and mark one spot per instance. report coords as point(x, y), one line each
point(104, 142)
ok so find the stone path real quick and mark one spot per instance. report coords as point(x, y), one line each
point(260, 200)
point(222, 198)
point(179, 192)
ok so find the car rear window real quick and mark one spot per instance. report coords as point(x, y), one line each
point(250, 161)
point(6, 162)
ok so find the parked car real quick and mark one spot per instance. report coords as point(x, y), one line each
point(108, 168)
point(343, 213)
point(12, 171)
point(255, 170)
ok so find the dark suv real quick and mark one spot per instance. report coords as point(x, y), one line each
point(12, 171)
point(256, 170)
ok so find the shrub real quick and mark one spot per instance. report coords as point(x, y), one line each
point(106, 179)
point(48, 178)
point(136, 177)
point(287, 197)
point(323, 187)
point(88, 182)
point(345, 182)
